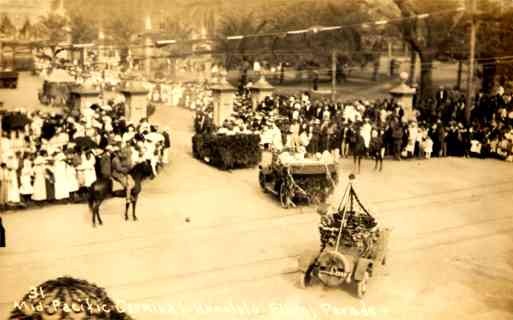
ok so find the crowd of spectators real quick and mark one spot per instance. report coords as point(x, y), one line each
point(381, 128)
point(51, 157)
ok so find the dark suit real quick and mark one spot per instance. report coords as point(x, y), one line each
point(2, 234)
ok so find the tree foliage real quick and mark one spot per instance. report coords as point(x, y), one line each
point(274, 22)
point(429, 37)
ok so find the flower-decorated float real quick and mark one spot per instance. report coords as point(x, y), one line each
point(221, 139)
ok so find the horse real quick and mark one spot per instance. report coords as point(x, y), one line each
point(101, 189)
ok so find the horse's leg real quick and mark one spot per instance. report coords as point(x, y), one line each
point(127, 205)
point(91, 210)
point(134, 202)
point(94, 216)
point(98, 214)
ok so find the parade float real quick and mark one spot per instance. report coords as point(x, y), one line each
point(292, 178)
point(353, 246)
point(221, 140)
point(227, 151)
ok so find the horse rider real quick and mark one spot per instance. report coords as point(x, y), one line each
point(120, 171)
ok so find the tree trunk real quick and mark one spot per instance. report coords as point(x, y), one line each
point(426, 76)
point(488, 80)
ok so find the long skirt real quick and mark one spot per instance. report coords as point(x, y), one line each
point(61, 185)
point(39, 193)
point(71, 174)
point(13, 190)
point(26, 187)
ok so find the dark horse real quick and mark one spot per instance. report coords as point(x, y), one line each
point(102, 189)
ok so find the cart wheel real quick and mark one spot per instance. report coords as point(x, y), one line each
point(384, 261)
point(303, 281)
point(283, 196)
point(361, 285)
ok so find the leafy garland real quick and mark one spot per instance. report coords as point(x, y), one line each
point(228, 151)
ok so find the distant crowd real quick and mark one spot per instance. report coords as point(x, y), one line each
point(374, 128)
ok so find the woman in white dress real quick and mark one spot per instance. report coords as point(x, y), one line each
point(13, 189)
point(412, 139)
point(39, 169)
point(27, 171)
point(60, 176)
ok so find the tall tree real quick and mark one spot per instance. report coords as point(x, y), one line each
point(83, 28)
point(233, 25)
point(431, 36)
point(25, 31)
point(54, 29)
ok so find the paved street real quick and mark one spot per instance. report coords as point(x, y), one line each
point(451, 251)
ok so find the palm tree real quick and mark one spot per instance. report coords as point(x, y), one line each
point(240, 24)
point(7, 28)
point(203, 15)
point(26, 30)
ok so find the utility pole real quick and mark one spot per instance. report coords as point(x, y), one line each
point(333, 74)
point(470, 77)
point(460, 71)
point(413, 56)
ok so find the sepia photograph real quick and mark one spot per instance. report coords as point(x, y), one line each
point(256, 160)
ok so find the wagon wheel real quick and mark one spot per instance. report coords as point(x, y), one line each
point(361, 285)
point(384, 261)
point(284, 197)
point(304, 279)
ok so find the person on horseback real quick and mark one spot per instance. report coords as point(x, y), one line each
point(121, 166)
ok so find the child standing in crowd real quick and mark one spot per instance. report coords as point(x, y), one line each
point(377, 148)
point(27, 172)
point(428, 147)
